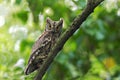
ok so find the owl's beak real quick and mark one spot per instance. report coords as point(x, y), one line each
point(52, 30)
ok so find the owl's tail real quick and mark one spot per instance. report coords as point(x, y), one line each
point(30, 68)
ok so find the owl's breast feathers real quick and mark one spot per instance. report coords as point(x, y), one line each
point(39, 52)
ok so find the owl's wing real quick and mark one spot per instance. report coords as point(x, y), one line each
point(39, 53)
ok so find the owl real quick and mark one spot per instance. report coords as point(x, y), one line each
point(44, 44)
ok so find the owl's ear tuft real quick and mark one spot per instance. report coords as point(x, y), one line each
point(48, 20)
point(61, 19)
point(60, 22)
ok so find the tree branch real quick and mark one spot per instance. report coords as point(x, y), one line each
point(91, 5)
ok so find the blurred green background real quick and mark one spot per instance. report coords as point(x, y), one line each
point(92, 53)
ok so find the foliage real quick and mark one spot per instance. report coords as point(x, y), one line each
point(92, 53)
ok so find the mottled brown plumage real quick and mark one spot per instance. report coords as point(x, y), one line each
point(44, 44)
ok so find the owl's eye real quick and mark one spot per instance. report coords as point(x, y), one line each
point(49, 26)
point(57, 27)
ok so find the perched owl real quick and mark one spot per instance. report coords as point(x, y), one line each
point(44, 44)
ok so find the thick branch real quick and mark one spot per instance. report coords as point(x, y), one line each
point(91, 5)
